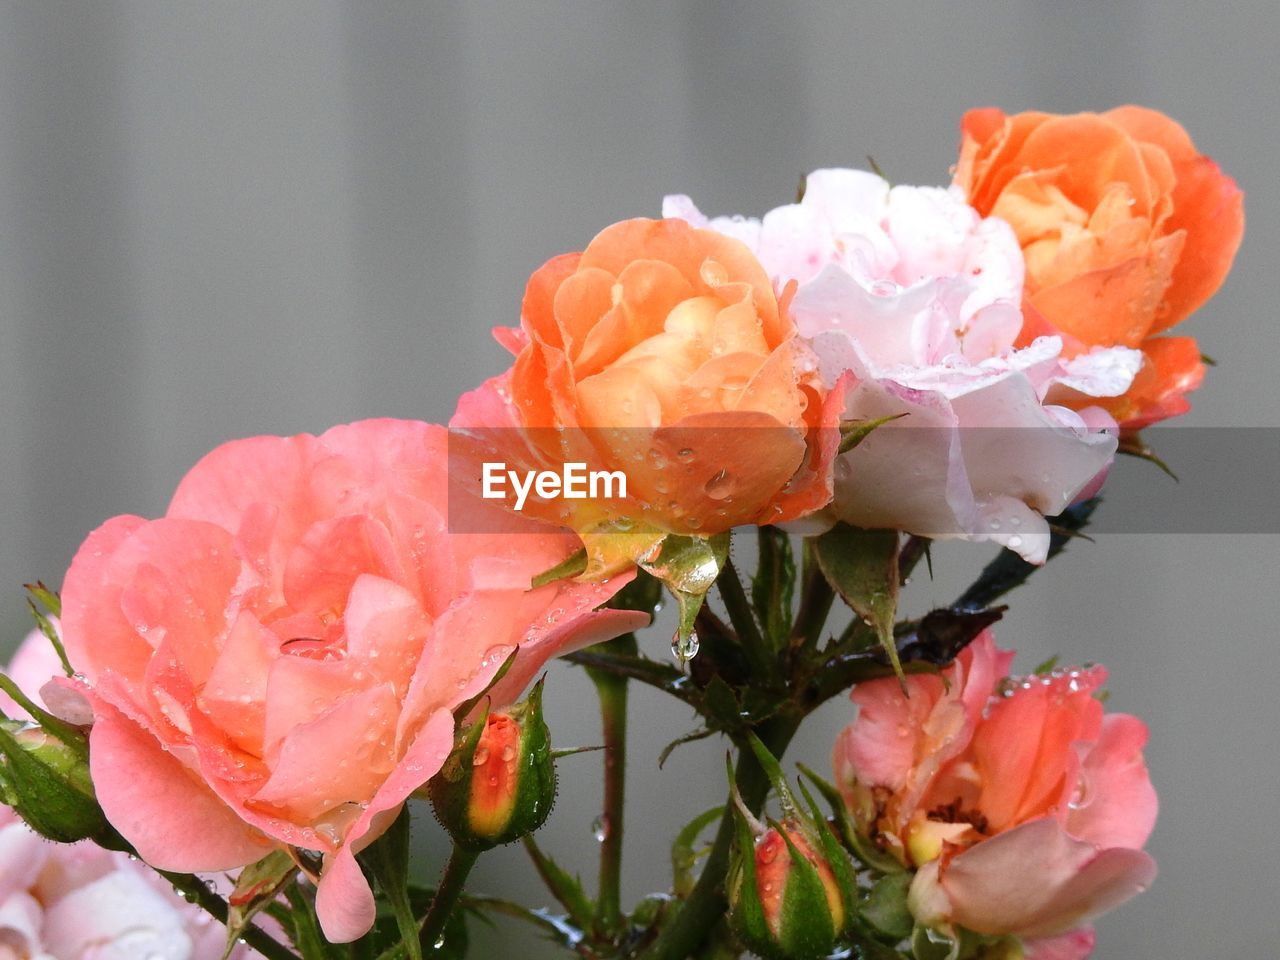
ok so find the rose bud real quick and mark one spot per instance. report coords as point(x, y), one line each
point(499, 783)
point(45, 779)
point(786, 901)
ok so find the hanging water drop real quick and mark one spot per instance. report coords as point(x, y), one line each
point(684, 648)
point(600, 828)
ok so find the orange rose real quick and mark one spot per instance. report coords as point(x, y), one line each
point(662, 352)
point(1126, 230)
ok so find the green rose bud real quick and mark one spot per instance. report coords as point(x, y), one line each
point(499, 783)
point(787, 898)
point(45, 778)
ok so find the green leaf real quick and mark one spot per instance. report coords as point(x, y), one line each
point(688, 566)
point(853, 432)
point(683, 855)
point(886, 906)
point(862, 566)
point(565, 887)
point(1042, 669)
point(387, 861)
point(692, 737)
point(570, 566)
point(772, 588)
point(257, 887)
point(721, 705)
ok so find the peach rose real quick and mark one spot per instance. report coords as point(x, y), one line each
point(277, 661)
point(1125, 227)
point(662, 352)
point(1021, 806)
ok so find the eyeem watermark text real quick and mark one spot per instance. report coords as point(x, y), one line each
point(575, 482)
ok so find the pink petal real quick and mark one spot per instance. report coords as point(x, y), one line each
point(1116, 805)
point(160, 806)
point(1075, 945)
point(339, 757)
point(344, 901)
point(1037, 881)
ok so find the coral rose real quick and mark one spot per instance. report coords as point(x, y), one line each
point(661, 352)
point(78, 901)
point(1022, 807)
point(1126, 229)
point(277, 661)
point(916, 296)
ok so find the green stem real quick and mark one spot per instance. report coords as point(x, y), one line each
point(744, 622)
point(447, 893)
point(193, 889)
point(612, 691)
point(816, 598)
point(706, 902)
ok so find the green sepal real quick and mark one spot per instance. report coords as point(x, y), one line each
point(746, 911)
point(862, 566)
point(773, 771)
point(837, 859)
point(866, 852)
point(450, 789)
point(806, 928)
point(688, 566)
point(929, 944)
point(42, 596)
point(683, 856)
point(463, 710)
point(570, 566)
point(885, 907)
point(257, 888)
point(46, 781)
point(853, 432)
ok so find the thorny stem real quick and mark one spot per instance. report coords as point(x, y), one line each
point(194, 890)
point(446, 897)
point(744, 624)
point(612, 691)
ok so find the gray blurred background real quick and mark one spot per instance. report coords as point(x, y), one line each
point(237, 218)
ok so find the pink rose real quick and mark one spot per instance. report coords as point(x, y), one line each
point(917, 296)
point(80, 902)
point(277, 661)
point(1022, 807)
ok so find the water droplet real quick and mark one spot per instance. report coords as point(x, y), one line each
point(683, 648)
point(719, 486)
point(1082, 796)
point(686, 454)
point(713, 273)
point(600, 828)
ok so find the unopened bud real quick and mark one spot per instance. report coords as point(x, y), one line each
point(499, 783)
point(45, 779)
point(787, 902)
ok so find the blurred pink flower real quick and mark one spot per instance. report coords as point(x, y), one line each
point(1022, 807)
point(278, 659)
point(78, 901)
point(919, 297)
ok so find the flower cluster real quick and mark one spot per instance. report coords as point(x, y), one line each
point(320, 629)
